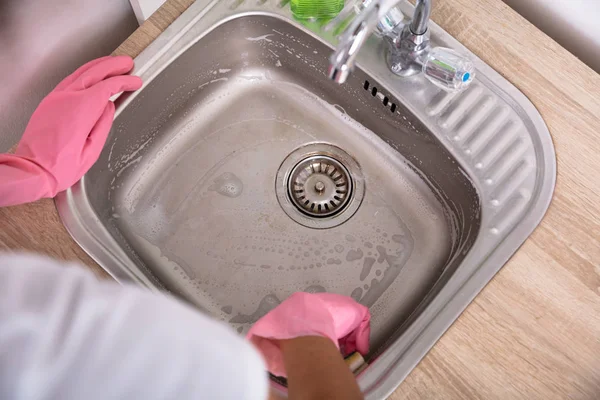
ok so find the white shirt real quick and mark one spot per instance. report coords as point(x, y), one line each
point(66, 335)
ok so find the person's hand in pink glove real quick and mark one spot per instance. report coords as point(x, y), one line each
point(341, 319)
point(66, 133)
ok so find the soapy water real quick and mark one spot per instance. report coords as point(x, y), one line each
point(366, 269)
point(286, 259)
point(389, 266)
point(268, 303)
point(261, 38)
point(227, 184)
point(363, 265)
point(348, 267)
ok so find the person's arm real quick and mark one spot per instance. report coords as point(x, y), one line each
point(21, 181)
point(65, 335)
point(316, 370)
point(66, 133)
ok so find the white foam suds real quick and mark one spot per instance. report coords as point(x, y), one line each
point(126, 158)
point(129, 164)
point(213, 81)
point(112, 147)
point(260, 38)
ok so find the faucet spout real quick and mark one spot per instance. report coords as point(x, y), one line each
point(420, 20)
point(343, 59)
point(409, 47)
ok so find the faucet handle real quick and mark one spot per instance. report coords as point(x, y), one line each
point(448, 69)
point(391, 21)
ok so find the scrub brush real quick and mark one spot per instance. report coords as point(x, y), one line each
point(356, 363)
point(316, 9)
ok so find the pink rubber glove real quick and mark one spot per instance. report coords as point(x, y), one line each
point(337, 317)
point(66, 133)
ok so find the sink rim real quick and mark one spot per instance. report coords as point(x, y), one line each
point(444, 309)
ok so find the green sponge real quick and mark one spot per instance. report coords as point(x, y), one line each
point(317, 9)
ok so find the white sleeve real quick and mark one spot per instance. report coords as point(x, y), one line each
point(65, 335)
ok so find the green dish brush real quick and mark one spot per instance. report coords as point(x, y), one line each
point(316, 9)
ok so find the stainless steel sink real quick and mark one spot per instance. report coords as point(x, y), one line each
point(240, 174)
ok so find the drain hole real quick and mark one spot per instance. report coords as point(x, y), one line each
point(374, 91)
point(393, 108)
point(386, 101)
point(325, 186)
point(331, 181)
point(367, 84)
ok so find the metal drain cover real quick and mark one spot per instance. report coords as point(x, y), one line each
point(320, 186)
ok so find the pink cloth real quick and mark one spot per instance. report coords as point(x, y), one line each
point(337, 317)
point(66, 132)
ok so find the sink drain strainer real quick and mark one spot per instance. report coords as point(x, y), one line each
point(320, 186)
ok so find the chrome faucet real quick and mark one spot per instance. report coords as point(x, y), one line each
point(410, 50)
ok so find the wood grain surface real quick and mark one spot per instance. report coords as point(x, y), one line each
point(534, 331)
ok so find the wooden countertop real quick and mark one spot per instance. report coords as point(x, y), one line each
point(534, 331)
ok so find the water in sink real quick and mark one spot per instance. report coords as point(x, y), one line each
point(188, 182)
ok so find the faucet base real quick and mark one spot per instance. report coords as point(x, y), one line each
point(406, 53)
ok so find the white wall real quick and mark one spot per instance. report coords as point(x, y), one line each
point(145, 8)
point(42, 41)
point(575, 24)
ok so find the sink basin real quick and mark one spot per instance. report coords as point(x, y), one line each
point(240, 174)
point(189, 182)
